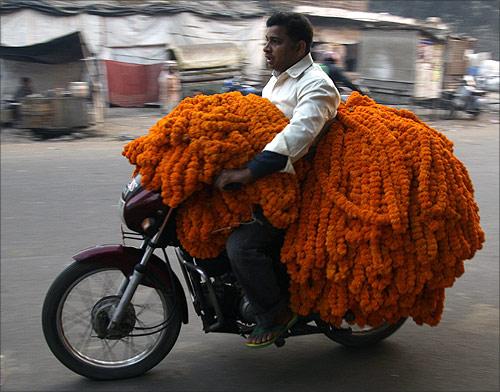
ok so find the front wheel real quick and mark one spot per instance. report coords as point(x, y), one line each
point(451, 110)
point(76, 312)
point(354, 336)
point(476, 114)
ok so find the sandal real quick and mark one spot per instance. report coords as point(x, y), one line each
point(275, 332)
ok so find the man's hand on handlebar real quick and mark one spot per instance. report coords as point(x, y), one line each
point(233, 179)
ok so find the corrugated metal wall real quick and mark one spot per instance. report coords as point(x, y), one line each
point(387, 64)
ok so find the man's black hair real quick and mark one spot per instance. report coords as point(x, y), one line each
point(297, 26)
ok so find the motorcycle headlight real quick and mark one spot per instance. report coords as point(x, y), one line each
point(133, 187)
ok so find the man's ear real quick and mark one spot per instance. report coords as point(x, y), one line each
point(301, 47)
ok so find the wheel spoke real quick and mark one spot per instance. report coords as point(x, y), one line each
point(86, 296)
point(86, 339)
point(110, 352)
point(138, 346)
point(141, 324)
point(133, 349)
point(109, 286)
point(151, 341)
point(77, 319)
point(105, 353)
point(151, 308)
point(128, 345)
point(70, 309)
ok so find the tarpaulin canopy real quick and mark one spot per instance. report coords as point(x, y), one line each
point(208, 55)
point(133, 32)
point(65, 49)
point(151, 8)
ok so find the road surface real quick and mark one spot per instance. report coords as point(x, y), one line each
point(60, 195)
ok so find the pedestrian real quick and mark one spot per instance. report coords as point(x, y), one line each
point(169, 87)
point(305, 94)
point(25, 88)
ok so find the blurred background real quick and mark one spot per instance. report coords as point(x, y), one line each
point(79, 58)
point(81, 78)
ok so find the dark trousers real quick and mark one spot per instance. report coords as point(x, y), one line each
point(253, 250)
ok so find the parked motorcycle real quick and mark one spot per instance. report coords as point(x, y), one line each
point(235, 84)
point(466, 98)
point(116, 312)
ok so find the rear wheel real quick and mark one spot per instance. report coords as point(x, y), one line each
point(355, 336)
point(76, 312)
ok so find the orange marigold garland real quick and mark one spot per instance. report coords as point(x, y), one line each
point(186, 149)
point(379, 222)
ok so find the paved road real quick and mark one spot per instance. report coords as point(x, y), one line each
point(61, 196)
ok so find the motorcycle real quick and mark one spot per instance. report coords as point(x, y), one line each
point(235, 84)
point(467, 98)
point(117, 310)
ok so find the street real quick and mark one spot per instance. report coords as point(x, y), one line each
point(60, 195)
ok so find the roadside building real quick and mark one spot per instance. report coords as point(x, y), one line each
point(398, 59)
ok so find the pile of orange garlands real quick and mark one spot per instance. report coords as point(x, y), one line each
point(379, 220)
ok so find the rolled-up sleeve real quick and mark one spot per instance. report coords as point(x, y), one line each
point(317, 103)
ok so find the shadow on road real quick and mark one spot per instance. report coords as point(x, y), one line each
point(276, 370)
point(22, 135)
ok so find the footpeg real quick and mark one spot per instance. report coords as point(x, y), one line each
point(280, 342)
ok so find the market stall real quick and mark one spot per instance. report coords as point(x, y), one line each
point(60, 96)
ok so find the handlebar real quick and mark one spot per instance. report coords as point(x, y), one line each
point(233, 186)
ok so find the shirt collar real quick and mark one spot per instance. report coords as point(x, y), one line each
point(298, 68)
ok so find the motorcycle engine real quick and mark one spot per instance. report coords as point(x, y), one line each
point(246, 311)
point(231, 299)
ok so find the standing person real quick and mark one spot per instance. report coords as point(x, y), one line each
point(305, 94)
point(24, 89)
point(169, 87)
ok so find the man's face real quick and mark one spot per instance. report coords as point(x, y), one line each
point(280, 51)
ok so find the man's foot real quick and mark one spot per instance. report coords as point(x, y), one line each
point(265, 336)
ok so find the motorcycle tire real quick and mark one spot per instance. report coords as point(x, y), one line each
point(451, 111)
point(366, 337)
point(58, 334)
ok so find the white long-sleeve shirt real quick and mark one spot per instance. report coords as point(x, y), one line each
point(308, 97)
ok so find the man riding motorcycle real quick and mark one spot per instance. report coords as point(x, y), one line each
point(307, 96)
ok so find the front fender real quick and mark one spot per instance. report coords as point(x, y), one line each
point(125, 258)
